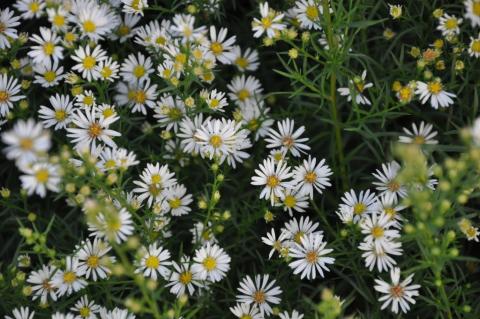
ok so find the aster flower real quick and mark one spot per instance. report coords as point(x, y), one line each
point(8, 21)
point(287, 139)
point(273, 176)
point(434, 92)
point(262, 293)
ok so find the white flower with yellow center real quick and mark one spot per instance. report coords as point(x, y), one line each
point(126, 29)
point(390, 206)
point(86, 309)
point(48, 47)
point(137, 96)
point(108, 69)
point(294, 230)
point(42, 284)
point(246, 311)
point(357, 88)
point(48, 74)
point(58, 17)
point(153, 180)
point(270, 22)
point(87, 61)
point(420, 135)
point(59, 115)
point(381, 257)
point(176, 200)
point(473, 12)
point(359, 206)
point(387, 182)
point(216, 100)
point(169, 112)
point(309, 13)
point(9, 93)
point(277, 244)
point(183, 27)
point(93, 259)
point(115, 226)
point(95, 21)
point(311, 176)
point(30, 9)
point(293, 200)
point(21, 313)
point(395, 293)
point(274, 177)
point(211, 263)
point(136, 68)
point(203, 235)
point(86, 100)
point(449, 25)
point(8, 22)
point(155, 261)
point(246, 60)
point(134, 6)
point(287, 138)
point(377, 229)
point(260, 293)
point(434, 91)
point(182, 279)
point(70, 279)
point(474, 47)
point(245, 90)
point(220, 46)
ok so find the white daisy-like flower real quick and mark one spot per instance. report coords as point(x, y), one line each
point(261, 293)
point(270, 22)
point(116, 313)
point(93, 259)
point(183, 27)
point(473, 12)
point(108, 69)
point(474, 46)
point(21, 313)
point(220, 46)
point(389, 206)
point(294, 230)
point(8, 22)
point(115, 226)
point(48, 74)
point(386, 180)
point(59, 315)
point(256, 120)
point(295, 315)
point(39, 178)
point(86, 99)
point(277, 244)
point(246, 311)
point(87, 61)
point(153, 180)
point(176, 200)
point(136, 68)
point(30, 9)
point(94, 20)
point(310, 256)
point(182, 279)
point(126, 29)
point(58, 17)
point(398, 294)
point(169, 112)
point(91, 128)
point(48, 46)
point(310, 175)
point(377, 229)
point(245, 90)
point(9, 93)
point(356, 89)
point(274, 177)
point(155, 261)
point(27, 142)
point(246, 60)
point(137, 96)
point(202, 235)
point(86, 309)
point(293, 200)
point(69, 280)
point(420, 135)
point(449, 25)
point(211, 263)
point(287, 139)
point(59, 114)
point(42, 284)
point(434, 92)
point(380, 256)
point(361, 205)
point(187, 131)
point(309, 13)
point(134, 6)
point(216, 100)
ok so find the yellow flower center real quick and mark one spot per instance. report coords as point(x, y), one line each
point(288, 141)
point(88, 100)
point(311, 257)
point(48, 48)
point(108, 112)
point(152, 262)
point(154, 190)
point(360, 86)
point(34, 7)
point(419, 140)
point(49, 76)
point(156, 179)
point(26, 143)
point(175, 113)
point(95, 130)
point(89, 62)
point(70, 36)
point(209, 263)
point(181, 58)
point(89, 26)
point(310, 177)
point(139, 71)
point(3, 27)
point(216, 141)
point(396, 291)
point(60, 115)
point(123, 30)
point(246, 317)
point(471, 232)
point(253, 125)
point(359, 208)
point(298, 237)
point(106, 72)
point(259, 297)
point(243, 94)
point(135, 5)
point(84, 312)
point(93, 261)
point(47, 285)
point(272, 181)
point(393, 186)
point(58, 20)
point(185, 277)
point(216, 48)
point(140, 97)
point(114, 224)
point(390, 212)
point(69, 277)
point(475, 46)
point(110, 164)
point(42, 175)
point(161, 40)
point(377, 232)
point(4, 96)
point(476, 8)
point(241, 62)
point(290, 201)
point(312, 12)
point(214, 103)
point(266, 22)
point(405, 93)
point(451, 23)
point(175, 203)
point(435, 87)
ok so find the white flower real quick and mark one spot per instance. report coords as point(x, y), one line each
point(42, 285)
point(220, 46)
point(379, 256)
point(88, 61)
point(30, 8)
point(137, 95)
point(59, 315)
point(389, 206)
point(93, 259)
point(246, 311)
point(273, 176)
point(474, 46)
point(154, 179)
point(270, 22)
point(134, 6)
point(293, 200)
point(449, 25)
point(58, 17)
point(211, 263)
point(116, 313)
point(94, 20)
point(386, 180)
point(8, 22)
point(48, 74)
point(69, 280)
point(21, 313)
point(47, 48)
point(126, 29)
point(295, 315)
point(309, 13)
point(154, 262)
point(294, 230)
point(357, 89)
point(9, 89)
point(397, 293)
point(473, 12)
point(376, 228)
point(245, 90)
point(277, 244)
point(115, 226)
point(260, 293)
point(39, 177)
point(246, 61)
point(203, 235)
point(169, 112)
point(310, 176)
point(59, 114)
point(91, 128)
point(136, 68)
point(216, 100)
point(310, 256)
point(434, 92)
point(108, 69)
point(27, 141)
point(420, 135)
point(359, 206)
point(182, 280)
point(287, 139)
point(183, 26)
point(188, 130)
point(176, 200)
point(86, 309)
